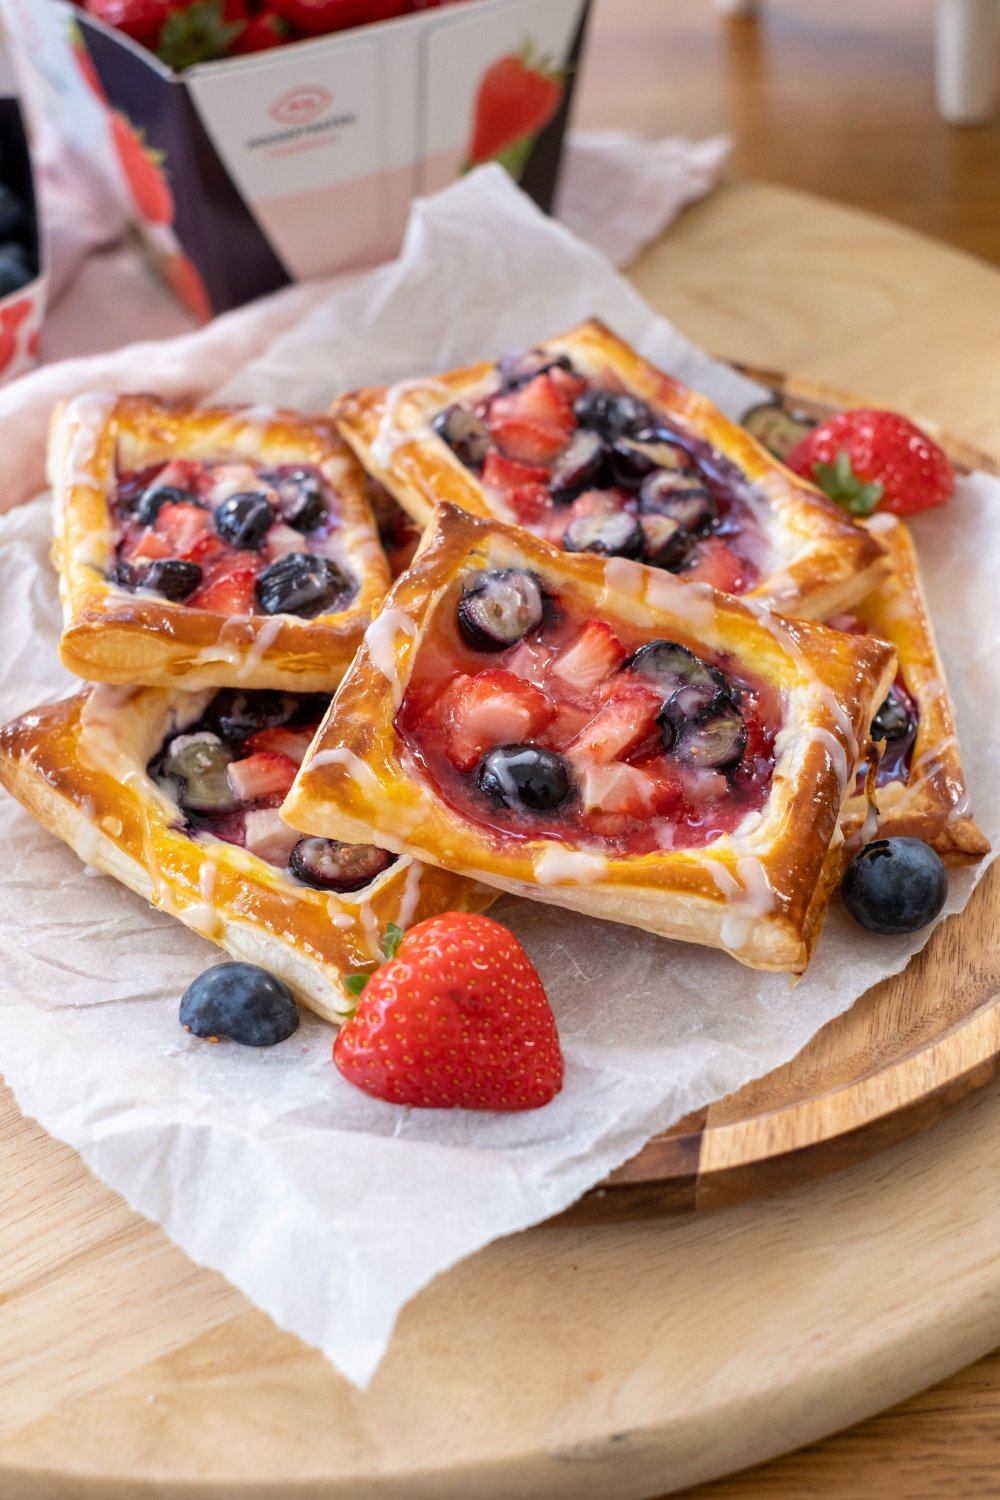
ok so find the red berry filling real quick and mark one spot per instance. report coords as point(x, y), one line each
point(208, 534)
point(592, 468)
point(581, 730)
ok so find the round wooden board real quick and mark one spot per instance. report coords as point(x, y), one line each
point(910, 1051)
point(620, 1359)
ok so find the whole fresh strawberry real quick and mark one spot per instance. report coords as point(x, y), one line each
point(139, 19)
point(261, 33)
point(517, 96)
point(874, 460)
point(457, 1016)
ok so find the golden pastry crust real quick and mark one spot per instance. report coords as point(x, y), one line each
point(824, 562)
point(117, 637)
point(933, 803)
point(760, 893)
point(80, 767)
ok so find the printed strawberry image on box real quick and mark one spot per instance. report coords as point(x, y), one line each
point(268, 141)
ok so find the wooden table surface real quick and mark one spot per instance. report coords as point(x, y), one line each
point(563, 1349)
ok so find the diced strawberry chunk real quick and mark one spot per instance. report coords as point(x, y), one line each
point(530, 660)
point(527, 442)
point(150, 546)
point(504, 474)
point(761, 710)
point(268, 837)
point(569, 721)
point(530, 503)
point(533, 423)
point(718, 565)
point(569, 384)
point(540, 401)
point(597, 503)
point(617, 788)
point(492, 708)
point(622, 722)
point(262, 778)
point(229, 587)
point(593, 656)
point(182, 526)
point(292, 743)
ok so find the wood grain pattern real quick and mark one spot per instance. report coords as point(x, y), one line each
point(622, 1359)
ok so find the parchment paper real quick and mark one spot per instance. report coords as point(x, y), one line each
point(328, 1209)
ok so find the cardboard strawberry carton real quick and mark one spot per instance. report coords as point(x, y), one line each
point(22, 281)
point(300, 160)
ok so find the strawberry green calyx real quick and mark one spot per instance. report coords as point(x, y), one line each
point(355, 983)
point(839, 481)
point(196, 35)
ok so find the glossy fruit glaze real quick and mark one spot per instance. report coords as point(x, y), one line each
point(591, 722)
point(231, 770)
point(896, 721)
point(582, 462)
point(232, 538)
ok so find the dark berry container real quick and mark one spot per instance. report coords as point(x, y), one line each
point(22, 279)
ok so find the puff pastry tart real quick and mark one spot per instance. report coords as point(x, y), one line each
point(920, 786)
point(583, 442)
point(209, 546)
point(598, 735)
point(175, 795)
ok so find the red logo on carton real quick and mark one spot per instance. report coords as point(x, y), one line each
point(301, 105)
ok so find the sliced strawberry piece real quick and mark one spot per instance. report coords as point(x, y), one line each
point(229, 588)
point(183, 526)
point(262, 778)
point(527, 442)
point(623, 722)
point(596, 503)
point(718, 565)
point(492, 708)
point(567, 725)
point(292, 743)
point(150, 545)
point(505, 474)
point(617, 788)
point(540, 402)
point(530, 503)
point(530, 660)
point(593, 656)
point(567, 383)
point(761, 710)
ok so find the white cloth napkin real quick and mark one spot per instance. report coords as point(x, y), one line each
point(327, 1208)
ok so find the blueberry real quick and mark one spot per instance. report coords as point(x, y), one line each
point(499, 608)
point(331, 866)
point(199, 764)
point(302, 496)
point(666, 543)
point(681, 496)
point(580, 466)
point(152, 501)
point(14, 217)
point(615, 535)
point(16, 269)
point(524, 777)
point(893, 721)
point(610, 415)
point(894, 885)
point(124, 576)
point(237, 714)
point(300, 583)
point(242, 1002)
point(172, 577)
point(632, 461)
point(703, 728)
point(517, 369)
point(465, 433)
point(669, 665)
point(244, 519)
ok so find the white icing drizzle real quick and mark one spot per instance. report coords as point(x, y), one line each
point(339, 917)
point(390, 435)
point(560, 866)
point(85, 414)
point(692, 603)
point(262, 642)
point(206, 879)
point(882, 520)
point(88, 839)
point(411, 894)
point(382, 639)
point(748, 897)
point(360, 773)
point(369, 925)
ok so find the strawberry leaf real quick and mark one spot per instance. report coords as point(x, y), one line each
point(196, 35)
point(355, 983)
point(393, 938)
point(838, 480)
